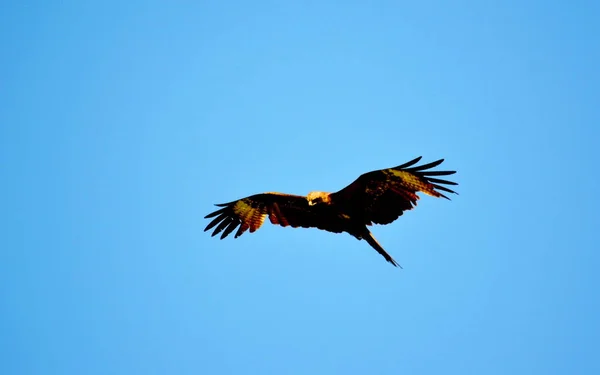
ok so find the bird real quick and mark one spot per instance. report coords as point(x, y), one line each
point(376, 197)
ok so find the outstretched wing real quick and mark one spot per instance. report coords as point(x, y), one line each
point(282, 209)
point(383, 195)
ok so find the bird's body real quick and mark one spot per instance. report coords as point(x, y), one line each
point(377, 197)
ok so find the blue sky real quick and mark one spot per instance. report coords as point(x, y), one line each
point(122, 123)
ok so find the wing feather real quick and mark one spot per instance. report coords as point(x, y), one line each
point(433, 164)
point(412, 162)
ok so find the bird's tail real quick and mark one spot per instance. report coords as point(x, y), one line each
point(368, 236)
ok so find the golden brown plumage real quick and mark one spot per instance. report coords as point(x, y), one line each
point(378, 197)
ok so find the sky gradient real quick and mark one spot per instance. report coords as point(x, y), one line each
point(122, 123)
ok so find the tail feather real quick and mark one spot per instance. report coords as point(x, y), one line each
point(368, 236)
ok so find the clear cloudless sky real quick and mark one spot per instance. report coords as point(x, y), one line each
point(123, 122)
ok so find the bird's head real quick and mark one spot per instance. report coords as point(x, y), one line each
point(317, 197)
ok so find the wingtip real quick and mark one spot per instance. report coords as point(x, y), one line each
point(444, 196)
point(409, 163)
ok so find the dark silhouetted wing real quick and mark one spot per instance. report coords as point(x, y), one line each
point(383, 195)
point(282, 209)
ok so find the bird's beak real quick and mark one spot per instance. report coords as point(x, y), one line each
point(311, 203)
